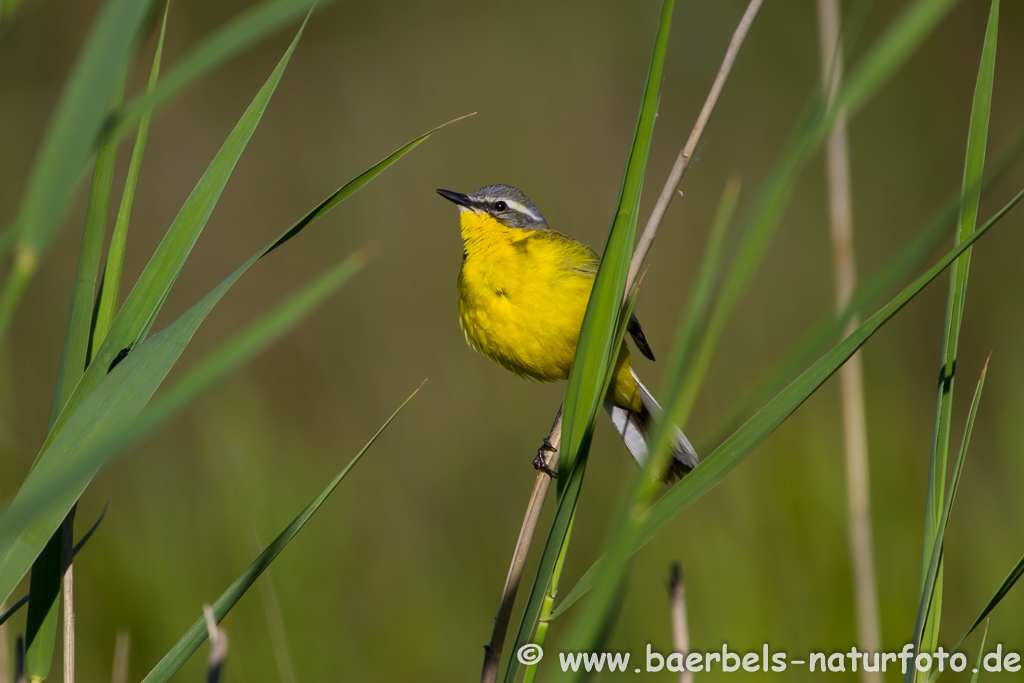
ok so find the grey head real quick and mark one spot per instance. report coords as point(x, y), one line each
point(506, 204)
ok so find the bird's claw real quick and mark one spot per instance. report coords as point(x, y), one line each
point(541, 461)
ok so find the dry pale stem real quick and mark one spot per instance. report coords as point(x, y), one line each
point(122, 654)
point(68, 593)
point(680, 629)
point(675, 176)
point(218, 646)
point(851, 383)
point(492, 652)
point(492, 655)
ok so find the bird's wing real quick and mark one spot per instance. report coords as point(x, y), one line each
point(583, 259)
point(578, 256)
point(637, 333)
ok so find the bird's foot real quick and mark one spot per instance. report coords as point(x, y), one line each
point(541, 462)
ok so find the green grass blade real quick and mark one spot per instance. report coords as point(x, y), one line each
point(106, 421)
point(76, 338)
point(69, 140)
point(44, 591)
point(762, 219)
point(226, 42)
point(19, 544)
point(595, 350)
point(689, 326)
point(144, 302)
point(595, 624)
point(888, 54)
point(8, 613)
point(829, 328)
point(974, 163)
point(930, 592)
point(1004, 588)
point(727, 456)
point(195, 635)
point(981, 651)
point(106, 306)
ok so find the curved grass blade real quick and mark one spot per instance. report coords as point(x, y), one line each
point(41, 506)
point(195, 635)
point(727, 456)
point(106, 304)
point(974, 163)
point(930, 592)
point(589, 376)
point(238, 34)
point(69, 140)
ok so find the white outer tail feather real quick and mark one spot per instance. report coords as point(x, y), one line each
point(631, 426)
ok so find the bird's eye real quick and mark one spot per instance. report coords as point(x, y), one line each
point(500, 206)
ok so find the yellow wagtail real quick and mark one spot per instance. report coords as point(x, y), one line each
point(523, 290)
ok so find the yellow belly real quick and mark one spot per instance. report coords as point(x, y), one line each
point(520, 306)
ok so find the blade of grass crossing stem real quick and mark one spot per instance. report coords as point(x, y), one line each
point(716, 466)
point(44, 590)
point(69, 141)
point(547, 606)
point(830, 326)
point(593, 627)
point(549, 600)
point(144, 302)
point(930, 591)
point(106, 306)
point(41, 504)
point(224, 43)
point(974, 164)
point(595, 350)
point(887, 55)
point(195, 635)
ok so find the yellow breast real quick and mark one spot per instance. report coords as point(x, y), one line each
point(521, 302)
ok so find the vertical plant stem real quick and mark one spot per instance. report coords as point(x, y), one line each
point(675, 176)
point(5, 662)
point(68, 593)
point(549, 600)
point(851, 378)
point(677, 612)
point(492, 652)
point(122, 652)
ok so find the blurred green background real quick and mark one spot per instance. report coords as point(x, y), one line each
point(398, 576)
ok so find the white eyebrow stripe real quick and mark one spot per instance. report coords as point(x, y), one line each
point(522, 209)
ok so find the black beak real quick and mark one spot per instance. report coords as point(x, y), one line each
point(456, 197)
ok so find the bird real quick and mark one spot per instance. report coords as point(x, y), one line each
point(523, 289)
